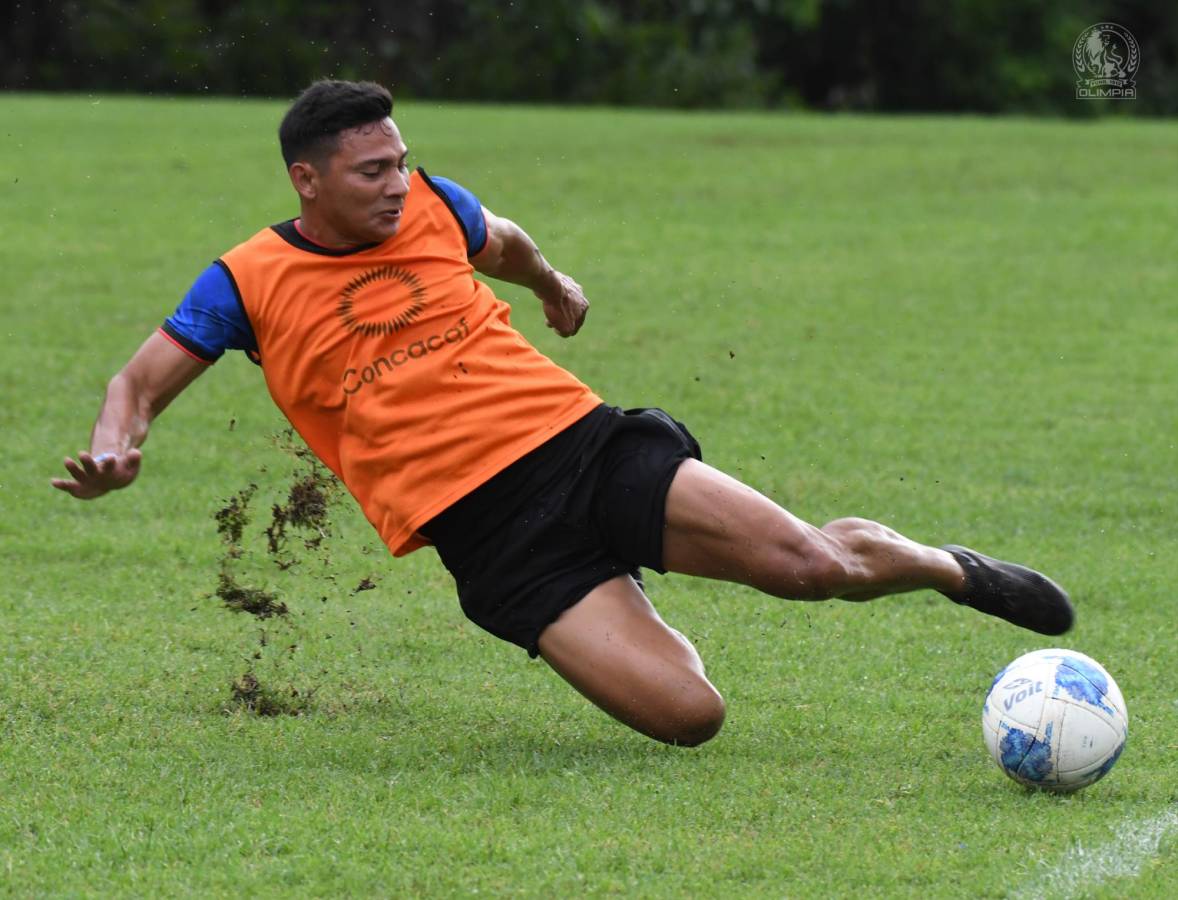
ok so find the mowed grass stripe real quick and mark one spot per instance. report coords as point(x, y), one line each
point(963, 327)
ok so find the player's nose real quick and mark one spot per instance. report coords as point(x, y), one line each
point(397, 185)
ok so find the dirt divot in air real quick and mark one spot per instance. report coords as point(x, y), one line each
point(254, 601)
point(298, 528)
point(232, 519)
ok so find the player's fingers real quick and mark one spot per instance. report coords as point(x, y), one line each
point(72, 488)
point(74, 469)
point(88, 464)
point(578, 317)
point(556, 315)
point(568, 320)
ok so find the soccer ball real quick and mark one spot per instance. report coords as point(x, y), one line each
point(1056, 720)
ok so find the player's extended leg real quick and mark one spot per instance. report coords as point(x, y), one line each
point(614, 648)
point(717, 527)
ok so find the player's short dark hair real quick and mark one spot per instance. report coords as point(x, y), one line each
point(311, 127)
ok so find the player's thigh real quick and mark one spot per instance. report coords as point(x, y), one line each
point(614, 648)
point(717, 527)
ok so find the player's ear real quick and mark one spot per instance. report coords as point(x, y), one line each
point(305, 180)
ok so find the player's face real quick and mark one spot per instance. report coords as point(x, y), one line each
point(362, 189)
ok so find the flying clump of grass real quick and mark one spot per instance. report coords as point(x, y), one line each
point(299, 526)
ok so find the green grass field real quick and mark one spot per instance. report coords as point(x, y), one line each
point(965, 328)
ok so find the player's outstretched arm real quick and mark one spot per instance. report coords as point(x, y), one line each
point(511, 255)
point(151, 380)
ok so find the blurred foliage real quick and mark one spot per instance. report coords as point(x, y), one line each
point(921, 55)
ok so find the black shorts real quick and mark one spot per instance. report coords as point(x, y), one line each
point(582, 508)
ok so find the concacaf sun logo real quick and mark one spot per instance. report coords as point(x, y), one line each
point(381, 301)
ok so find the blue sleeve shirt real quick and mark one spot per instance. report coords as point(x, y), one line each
point(211, 318)
point(467, 210)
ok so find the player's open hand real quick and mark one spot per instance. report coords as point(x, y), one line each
point(97, 475)
point(566, 310)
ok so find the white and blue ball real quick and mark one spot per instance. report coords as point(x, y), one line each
point(1056, 720)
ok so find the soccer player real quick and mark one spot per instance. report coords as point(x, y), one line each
point(402, 372)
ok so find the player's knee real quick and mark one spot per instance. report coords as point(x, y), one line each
point(828, 574)
point(835, 562)
point(817, 570)
point(698, 717)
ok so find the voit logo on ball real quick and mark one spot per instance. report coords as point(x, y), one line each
point(1106, 58)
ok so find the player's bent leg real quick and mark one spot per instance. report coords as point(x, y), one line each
point(614, 648)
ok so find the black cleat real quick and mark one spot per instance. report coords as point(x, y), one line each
point(1015, 593)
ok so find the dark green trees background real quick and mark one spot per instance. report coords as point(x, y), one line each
point(923, 55)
